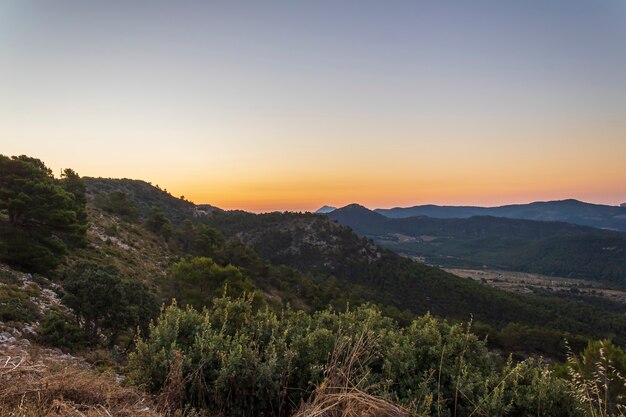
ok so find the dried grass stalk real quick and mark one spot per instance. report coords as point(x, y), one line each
point(345, 391)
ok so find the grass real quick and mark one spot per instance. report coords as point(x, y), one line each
point(595, 391)
point(344, 393)
point(45, 387)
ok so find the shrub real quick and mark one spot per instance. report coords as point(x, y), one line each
point(16, 305)
point(58, 330)
point(234, 359)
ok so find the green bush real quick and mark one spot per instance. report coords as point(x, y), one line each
point(16, 305)
point(236, 360)
point(58, 329)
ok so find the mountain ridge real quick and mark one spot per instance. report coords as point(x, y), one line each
point(567, 210)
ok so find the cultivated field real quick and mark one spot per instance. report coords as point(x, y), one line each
point(523, 282)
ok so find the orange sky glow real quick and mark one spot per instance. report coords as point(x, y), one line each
point(293, 105)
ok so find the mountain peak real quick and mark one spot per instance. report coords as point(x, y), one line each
point(325, 209)
point(353, 206)
point(356, 211)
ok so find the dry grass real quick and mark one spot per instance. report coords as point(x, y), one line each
point(51, 388)
point(344, 391)
point(594, 392)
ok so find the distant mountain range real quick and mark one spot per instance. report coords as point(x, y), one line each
point(546, 247)
point(571, 211)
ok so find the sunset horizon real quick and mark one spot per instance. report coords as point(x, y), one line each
point(288, 107)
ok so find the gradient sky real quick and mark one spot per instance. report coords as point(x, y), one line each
point(272, 105)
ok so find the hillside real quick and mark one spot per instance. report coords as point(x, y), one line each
point(145, 196)
point(570, 211)
point(311, 244)
point(551, 248)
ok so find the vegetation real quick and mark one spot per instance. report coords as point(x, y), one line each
point(104, 304)
point(197, 281)
point(117, 202)
point(598, 376)
point(362, 272)
point(39, 215)
point(159, 224)
point(16, 305)
point(144, 198)
point(37, 385)
point(308, 262)
point(58, 329)
point(235, 360)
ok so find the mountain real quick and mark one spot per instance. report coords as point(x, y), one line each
point(570, 211)
point(551, 248)
point(325, 209)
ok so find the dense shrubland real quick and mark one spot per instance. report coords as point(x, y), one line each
point(235, 359)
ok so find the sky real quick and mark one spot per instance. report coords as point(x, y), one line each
point(289, 105)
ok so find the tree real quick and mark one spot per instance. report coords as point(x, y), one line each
point(199, 239)
point(197, 281)
point(118, 203)
point(159, 224)
point(72, 183)
point(104, 304)
point(38, 216)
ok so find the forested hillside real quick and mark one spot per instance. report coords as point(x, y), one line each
point(551, 248)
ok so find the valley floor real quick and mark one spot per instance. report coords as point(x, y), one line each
point(523, 282)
